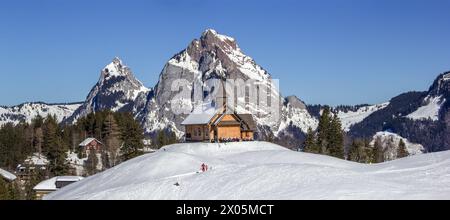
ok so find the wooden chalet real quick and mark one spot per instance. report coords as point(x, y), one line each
point(90, 144)
point(207, 124)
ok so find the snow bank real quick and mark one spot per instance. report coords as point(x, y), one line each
point(260, 170)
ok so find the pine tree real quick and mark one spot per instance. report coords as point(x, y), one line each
point(335, 138)
point(378, 151)
point(35, 178)
point(5, 193)
point(38, 135)
point(310, 144)
point(38, 139)
point(91, 163)
point(112, 135)
point(132, 136)
point(401, 150)
point(15, 191)
point(322, 130)
point(160, 139)
point(54, 149)
point(355, 151)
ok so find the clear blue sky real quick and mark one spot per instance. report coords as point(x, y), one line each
point(333, 52)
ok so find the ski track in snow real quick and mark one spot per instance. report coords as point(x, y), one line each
point(260, 170)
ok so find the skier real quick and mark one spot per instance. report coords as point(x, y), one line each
point(203, 167)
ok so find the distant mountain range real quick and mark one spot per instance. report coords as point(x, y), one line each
point(420, 117)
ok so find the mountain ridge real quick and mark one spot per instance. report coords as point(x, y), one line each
point(214, 56)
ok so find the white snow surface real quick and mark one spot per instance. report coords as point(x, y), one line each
point(7, 175)
point(428, 111)
point(353, 117)
point(261, 170)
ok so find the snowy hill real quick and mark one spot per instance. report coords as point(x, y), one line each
point(389, 142)
point(421, 117)
point(349, 118)
point(28, 111)
point(260, 170)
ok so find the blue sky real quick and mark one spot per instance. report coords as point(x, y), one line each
point(329, 52)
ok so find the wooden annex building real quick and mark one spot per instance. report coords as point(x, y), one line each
point(90, 144)
point(207, 124)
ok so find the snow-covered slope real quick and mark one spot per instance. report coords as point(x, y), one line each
point(390, 141)
point(260, 170)
point(428, 111)
point(28, 111)
point(349, 118)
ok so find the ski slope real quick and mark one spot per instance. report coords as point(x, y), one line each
point(261, 170)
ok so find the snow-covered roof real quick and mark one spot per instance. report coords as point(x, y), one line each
point(201, 114)
point(87, 141)
point(47, 185)
point(69, 178)
point(50, 184)
point(7, 175)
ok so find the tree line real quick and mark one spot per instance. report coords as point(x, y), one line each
point(330, 139)
point(121, 135)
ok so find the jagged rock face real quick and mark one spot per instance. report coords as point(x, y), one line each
point(216, 56)
point(441, 85)
point(116, 90)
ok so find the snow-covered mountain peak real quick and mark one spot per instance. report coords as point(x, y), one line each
point(117, 90)
point(210, 34)
point(115, 69)
point(216, 56)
